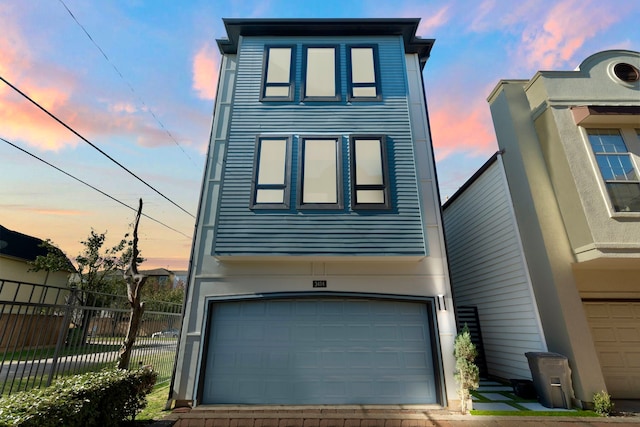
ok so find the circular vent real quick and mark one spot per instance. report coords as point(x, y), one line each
point(626, 72)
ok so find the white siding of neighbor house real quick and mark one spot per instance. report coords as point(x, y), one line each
point(488, 270)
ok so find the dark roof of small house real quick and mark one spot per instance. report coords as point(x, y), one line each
point(405, 27)
point(21, 246)
point(18, 245)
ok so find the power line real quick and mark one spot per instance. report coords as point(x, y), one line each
point(126, 82)
point(92, 187)
point(94, 146)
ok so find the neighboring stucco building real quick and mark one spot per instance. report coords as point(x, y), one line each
point(17, 252)
point(319, 259)
point(545, 238)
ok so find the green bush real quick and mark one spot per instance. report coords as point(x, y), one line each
point(467, 372)
point(103, 398)
point(602, 404)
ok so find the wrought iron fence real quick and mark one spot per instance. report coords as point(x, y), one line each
point(47, 332)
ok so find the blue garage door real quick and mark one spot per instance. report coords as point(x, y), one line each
point(320, 351)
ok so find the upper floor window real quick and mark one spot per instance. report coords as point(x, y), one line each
point(271, 168)
point(319, 173)
point(321, 73)
point(278, 73)
point(616, 164)
point(364, 80)
point(369, 172)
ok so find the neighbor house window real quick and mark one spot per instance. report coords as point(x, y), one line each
point(278, 73)
point(369, 172)
point(271, 173)
point(617, 167)
point(364, 80)
point(321, 73)
point(319, 173)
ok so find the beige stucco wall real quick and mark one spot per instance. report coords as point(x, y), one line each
point(15, 270)
point(545, 242)
point(594, 229)
point(576, 246)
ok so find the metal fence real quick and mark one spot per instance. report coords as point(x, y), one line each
point(48, 332)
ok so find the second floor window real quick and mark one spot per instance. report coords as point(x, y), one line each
point(271, 181)
point(363, 71)
point(617, 167)
point(319, 173)
point(369, 173)
point(278, 73)
point(321, 73)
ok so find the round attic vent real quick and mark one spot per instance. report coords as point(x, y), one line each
point(626, 72)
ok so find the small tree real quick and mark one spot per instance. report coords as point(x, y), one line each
point(467, 373)
point(94, 268)
point(135, 281)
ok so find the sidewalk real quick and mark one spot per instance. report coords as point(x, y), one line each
point(490, 396)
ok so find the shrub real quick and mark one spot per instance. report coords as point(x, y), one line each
point(602, 404)
point(467, 373)
point(103, 398)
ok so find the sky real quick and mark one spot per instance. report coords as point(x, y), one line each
point(137, 79)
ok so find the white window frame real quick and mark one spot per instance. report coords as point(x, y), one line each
point(631, 140)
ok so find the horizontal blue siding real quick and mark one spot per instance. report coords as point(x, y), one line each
point(241, 231)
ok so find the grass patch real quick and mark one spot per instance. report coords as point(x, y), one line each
point(156, 401)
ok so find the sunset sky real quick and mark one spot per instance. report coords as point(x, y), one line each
point(137, 79)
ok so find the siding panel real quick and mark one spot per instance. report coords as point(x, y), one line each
point(488, 271)
point(242, 231)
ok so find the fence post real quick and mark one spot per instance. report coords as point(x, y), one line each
point(64, 331)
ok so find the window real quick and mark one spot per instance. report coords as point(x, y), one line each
point(616, 165)
point(321, 73)
point(364, 82)
point(319, 173)
point(369, 172)
point(271, 168)
point(278, 74)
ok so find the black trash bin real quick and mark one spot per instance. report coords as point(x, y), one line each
point(551, 378)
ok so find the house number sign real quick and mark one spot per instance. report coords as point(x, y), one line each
point(319, 283)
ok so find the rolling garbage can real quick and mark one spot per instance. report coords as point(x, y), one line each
point(551, 378)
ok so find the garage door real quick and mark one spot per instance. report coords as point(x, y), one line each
point(327, 351)
point(615, 327)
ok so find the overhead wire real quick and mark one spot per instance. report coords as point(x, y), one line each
point(70, 129)
point(92, 187)
point(126, 82)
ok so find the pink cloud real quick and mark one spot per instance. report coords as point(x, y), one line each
point(205, 71)
point(553, 41)
point(430, 21)
point(455, 128)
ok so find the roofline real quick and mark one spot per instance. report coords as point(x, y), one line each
point(405, 27)
point(473, 178)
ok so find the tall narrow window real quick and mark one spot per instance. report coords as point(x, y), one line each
point(369, 173)
point(321, 73)
point(271, 169)
point(320, 177)
point(364, 82)
point(278, 74)
point(617, 169)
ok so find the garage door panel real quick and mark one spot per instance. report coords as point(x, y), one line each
point(319, 352)
point(615, 328)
